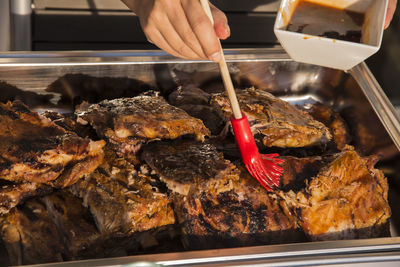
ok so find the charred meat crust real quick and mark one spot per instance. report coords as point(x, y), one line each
point(11, 194)
point(187, 166)
point(244, 215)
point(34, 149)
point(346, 195)
point(336, 124)
point(277, 122)
point(123, 200)
point(74, 224)
point(140, 118)
point(30, 236)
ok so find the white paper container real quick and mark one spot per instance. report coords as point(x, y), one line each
point(329, 52)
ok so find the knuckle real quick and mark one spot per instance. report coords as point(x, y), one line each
point(200, 22)
point(182, 49)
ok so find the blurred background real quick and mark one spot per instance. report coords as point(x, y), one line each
point(55, 25)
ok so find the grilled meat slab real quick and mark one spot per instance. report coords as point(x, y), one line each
point(274, 121)
point(30, 236)
point(296, 171)
point(187, 166)
point(122, 200)
point(245, 215)
point(74, 224)
point(69, 122)
point(347, 195)
point(12, 194)
point(34, 149)
point(196, 103)
point(130, 122)
point(338, 127)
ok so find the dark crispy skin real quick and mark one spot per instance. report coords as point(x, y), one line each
point(30, 236)
point(186, 165)
point(243, 214)
point(275, 121)
point(69, 123)
point(74, 223)
point(11, 194)
point(347, 194)
point(130, 122)
point(122, 200)
point(333, 121)
point(34, 149)
point(196, 103)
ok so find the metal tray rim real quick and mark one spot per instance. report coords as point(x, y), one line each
point(112, 57)
point(271, 253)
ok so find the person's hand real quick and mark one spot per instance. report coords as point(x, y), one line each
point(181, 27)
point(390, 12)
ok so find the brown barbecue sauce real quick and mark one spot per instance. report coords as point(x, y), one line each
point(326, 21)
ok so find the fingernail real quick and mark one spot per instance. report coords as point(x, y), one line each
point(216, 57)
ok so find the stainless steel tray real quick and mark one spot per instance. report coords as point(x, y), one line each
point(356, 95)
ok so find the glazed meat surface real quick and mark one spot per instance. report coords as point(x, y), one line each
point(245, 215)
point(123, 200)
point(187, 166)
point(12, 194)
point(30, 236)
point(34, 149)
point(130, 122)
point(274, 121)
point(347, 195)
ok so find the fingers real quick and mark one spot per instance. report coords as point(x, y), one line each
point(221, 26)
point(181, 27)
point(160, 31)
point(202, 28)
point(390, 12)
point(161, 24)
point(179, 22)
point(157, 38)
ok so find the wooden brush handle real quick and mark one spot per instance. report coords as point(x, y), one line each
point(226, 77)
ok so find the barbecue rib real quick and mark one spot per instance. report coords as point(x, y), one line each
point(333, 121)
point(129, 122)
point(122, 200)
point(196, 103)
point(75, 225)
point(30, 236)
point(34, 149)
point(12, 194)
point(345, 197)
point(69, 123)
point(187, 166)
point(246, 215)
point(274, 121)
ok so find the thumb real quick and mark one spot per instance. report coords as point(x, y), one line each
point(221, 26)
